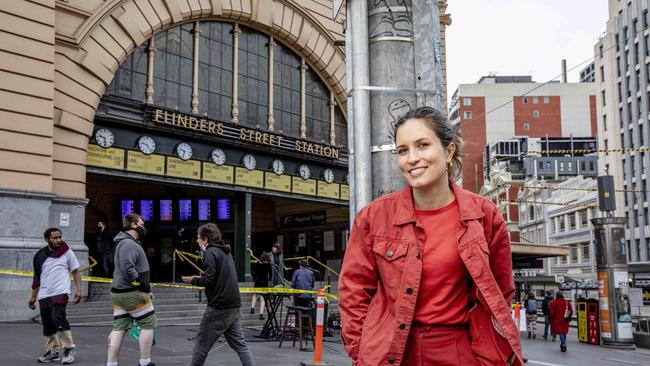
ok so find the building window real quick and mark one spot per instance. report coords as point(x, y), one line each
point(547, 100)
point(561, 223)
point(574, 254)
point(535, 100)
point(572, 221)
point(620, 93)
point(604, 122)
point(638, 108)
point(531, 213)
point(584, 221)
point(586, 257)
point(540, 165)
point(253, 93)
point(570, 166)
point(548, 166)
point(468, 115)
point(645, 216)
point(602, 74)
point(526, 126)
point(627, 60)
point(601, 51)
point(467, 101)
point(617, 41)
point(635, 26)
point(318, 109)
point(646, 42)
point(525, 100)
point(215, 70)
point(629, 87)
point(644, 19)
point(618, 67)
point(131, 78)
point(636, 53)
point(591, 163)
point(561, 166)
point(625, 35)
point(536, 113)
point(286, 90)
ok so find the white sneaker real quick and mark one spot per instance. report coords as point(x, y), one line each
point(68, 356)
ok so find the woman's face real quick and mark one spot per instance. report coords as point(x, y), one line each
point(421, 156)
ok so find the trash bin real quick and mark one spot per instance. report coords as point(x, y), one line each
point(593, 322)
point(582, 320)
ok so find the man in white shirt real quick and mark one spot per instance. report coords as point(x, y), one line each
point(51, 286)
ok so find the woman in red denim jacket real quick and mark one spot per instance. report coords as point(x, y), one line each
point(427, 275)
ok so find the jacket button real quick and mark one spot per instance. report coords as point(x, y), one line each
point(418, 255)
point(402, 326)
point(409, 290)
point(389, 253)
point(391, 360)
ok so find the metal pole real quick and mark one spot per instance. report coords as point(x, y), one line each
point(358, 47)
point(348, 77)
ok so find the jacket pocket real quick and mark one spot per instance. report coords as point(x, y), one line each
point(390, 256)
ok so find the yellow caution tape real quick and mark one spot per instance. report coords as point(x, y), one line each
point(245, 290)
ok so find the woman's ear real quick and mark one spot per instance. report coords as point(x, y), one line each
point(451, 150)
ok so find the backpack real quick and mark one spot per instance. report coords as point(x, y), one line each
point(531, 306)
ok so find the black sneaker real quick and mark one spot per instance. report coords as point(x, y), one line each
point(68, 356)
point(50, 356)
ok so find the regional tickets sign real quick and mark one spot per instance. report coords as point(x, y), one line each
point(190, 169)
point(112, 158)
point(150, 164)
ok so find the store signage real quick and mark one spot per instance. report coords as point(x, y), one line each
point(277, 182)
point(345, 192)
point(208, 126)
point(527, 263)
point(329, 190)
point(304, 186)
point(306, 219)
point(603, 305)
point(112, 158)
point(218, 173)
point(190, 169)
point(249, 178)
point(150, 164)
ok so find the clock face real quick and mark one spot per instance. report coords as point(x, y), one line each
point(278, 166)
point(146, 144)
point(218, 156)
point(249, 161)
point(184, 151)
point(328, 175)
point(104, 137)
point(304, 171)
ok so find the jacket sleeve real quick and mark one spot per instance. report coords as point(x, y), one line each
point(501, 255)
point(36, 280)
point(209, 276)
point(357, 285)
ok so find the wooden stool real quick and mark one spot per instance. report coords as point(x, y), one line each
point(299, 314)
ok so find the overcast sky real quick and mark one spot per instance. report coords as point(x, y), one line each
point(523, 37)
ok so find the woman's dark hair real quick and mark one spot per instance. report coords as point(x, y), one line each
point(443, 129)
point(531, 295)
point(559, 295)
point(209, 232)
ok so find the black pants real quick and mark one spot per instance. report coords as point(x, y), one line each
point(215, 323)
point(53, 314)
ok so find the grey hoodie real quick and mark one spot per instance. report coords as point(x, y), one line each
point(130, 265)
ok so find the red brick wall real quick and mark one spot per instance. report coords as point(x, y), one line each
point(474, 135)
point(592, 114)
point(549, 120)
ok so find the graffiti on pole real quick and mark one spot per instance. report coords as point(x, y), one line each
point(390, 18)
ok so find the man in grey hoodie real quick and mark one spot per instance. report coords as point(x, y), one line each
point(222, 290)
point(130, 291)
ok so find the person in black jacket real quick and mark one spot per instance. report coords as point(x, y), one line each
point(222, 290)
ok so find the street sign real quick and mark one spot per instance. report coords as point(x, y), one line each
point(559, 278)
point(336, 8)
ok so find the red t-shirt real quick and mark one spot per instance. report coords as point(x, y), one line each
point(445, 283)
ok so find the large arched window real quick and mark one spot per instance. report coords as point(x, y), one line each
point(286, 90)
point(175, 69)
point(215, 70)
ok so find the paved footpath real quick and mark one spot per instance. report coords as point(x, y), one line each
point(22, 344)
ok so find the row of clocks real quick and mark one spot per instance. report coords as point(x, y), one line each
point(147, 145)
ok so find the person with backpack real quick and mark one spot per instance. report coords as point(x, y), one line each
point(561, 313)
point(531, 314)
point(546, 310)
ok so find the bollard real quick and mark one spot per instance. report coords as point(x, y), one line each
point(517, 315)
point(318, 346)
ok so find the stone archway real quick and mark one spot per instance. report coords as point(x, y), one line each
point(87, 58)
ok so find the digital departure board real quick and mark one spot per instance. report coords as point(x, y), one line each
point(127, 207)
point(205, 213)
point(223, 209)
point(166, 211)
point(146, 210)
point(185, 210)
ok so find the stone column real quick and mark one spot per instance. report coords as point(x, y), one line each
point(151, 51)
point(195, 74)
point(303, 97)
point(242, 242)
point(235, 73)
point(332, 119)
point(270, 122)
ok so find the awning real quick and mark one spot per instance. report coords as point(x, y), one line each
point(531, 251)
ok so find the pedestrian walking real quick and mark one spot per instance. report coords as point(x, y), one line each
point(130, 292)
point(261, 277)
point(531, 314)
point(546, 310)
point(105, 247)
point(51, 287)
point(222, 290)
point(303, 279)
point(561, 313)
point(277, 265)
point(428, 269)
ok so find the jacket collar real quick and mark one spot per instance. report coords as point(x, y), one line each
point(468, 208)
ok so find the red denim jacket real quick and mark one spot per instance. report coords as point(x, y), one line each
point(381, 274)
